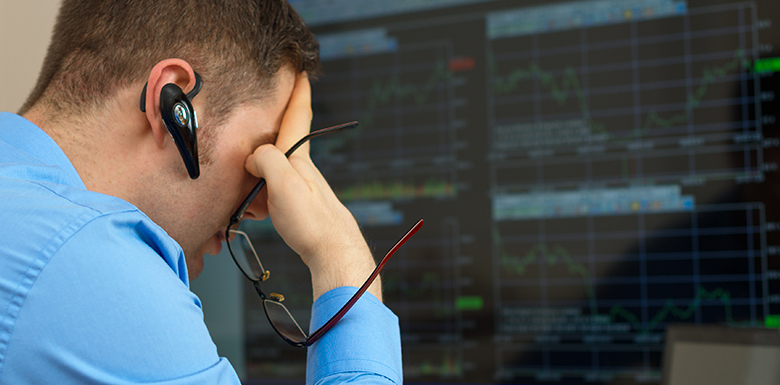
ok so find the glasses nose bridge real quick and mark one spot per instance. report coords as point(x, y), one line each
point(240, 241)
point(259, 291)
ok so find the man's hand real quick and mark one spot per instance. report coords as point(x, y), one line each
point(304, 209)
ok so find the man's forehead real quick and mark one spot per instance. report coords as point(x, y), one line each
point(273, 102)
point(276, 90)
point(264, 133)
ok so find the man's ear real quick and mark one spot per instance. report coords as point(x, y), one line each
point(171, 111)
point(174, 71)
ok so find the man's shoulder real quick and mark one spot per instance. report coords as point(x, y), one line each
point(46, 206)
point(42, 216)
point(40, 209)
point(94, 278)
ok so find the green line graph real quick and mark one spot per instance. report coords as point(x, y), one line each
point(552, 256)
point(448, 367)
point(557, 254)
point(384, 93)
point(709, 76)
point(570, 86)
point(670, 309)
point(560, 91)
point(428, 287)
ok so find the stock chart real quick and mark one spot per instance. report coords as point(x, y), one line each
point(588, 171)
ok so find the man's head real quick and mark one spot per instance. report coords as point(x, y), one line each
point(99, 46)
point(103, 52)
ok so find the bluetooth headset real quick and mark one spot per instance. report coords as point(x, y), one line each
point(179, 118)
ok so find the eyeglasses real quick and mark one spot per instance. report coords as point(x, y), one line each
point(245, 257)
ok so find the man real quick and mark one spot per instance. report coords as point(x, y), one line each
point(104, 226)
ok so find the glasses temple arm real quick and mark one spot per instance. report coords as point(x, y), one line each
point(336, 317)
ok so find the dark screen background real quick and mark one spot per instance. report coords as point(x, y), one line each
point(585, 179)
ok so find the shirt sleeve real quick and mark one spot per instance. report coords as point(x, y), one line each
point(363, 347)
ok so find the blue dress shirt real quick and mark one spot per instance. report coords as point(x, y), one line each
point(93, 291)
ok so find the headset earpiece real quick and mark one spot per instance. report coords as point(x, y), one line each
point(180, 120)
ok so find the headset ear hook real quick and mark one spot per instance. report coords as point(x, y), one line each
point(180, 120)
point(190, 95)
point(196, 88)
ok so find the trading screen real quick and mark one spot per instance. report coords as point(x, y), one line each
point(588, 172)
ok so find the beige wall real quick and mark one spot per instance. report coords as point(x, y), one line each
point(25, 29)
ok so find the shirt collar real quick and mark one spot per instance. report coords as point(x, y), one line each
point(26, 136)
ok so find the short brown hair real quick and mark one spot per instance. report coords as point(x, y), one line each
point(236, 46)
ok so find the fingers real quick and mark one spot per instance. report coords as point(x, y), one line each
point(304, 209)
point(301, 171)
point(270, 163)
point(298, 208)
point(297, 119)
point(312, 222)
point(296, 124)
point(252, 164)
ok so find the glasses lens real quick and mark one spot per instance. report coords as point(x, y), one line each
point(283, 321)
point(244, 254)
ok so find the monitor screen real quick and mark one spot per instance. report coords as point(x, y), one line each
point(588, 172)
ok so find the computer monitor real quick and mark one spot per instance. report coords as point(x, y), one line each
point(588, 172)
point(721, 355)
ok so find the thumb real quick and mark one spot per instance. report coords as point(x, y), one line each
point(270, 163)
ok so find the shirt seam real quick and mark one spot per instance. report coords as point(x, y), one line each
point(45, 253)
point(317, 373)
point(324, 379)
point(29, 277)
